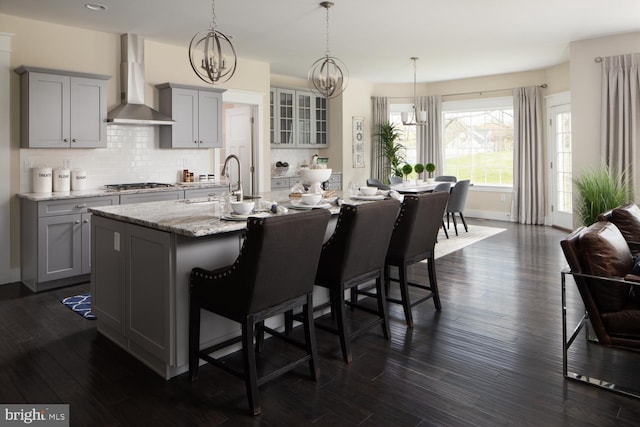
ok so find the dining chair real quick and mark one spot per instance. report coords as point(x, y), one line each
point(372, 182)
point(446, 178)
point(444, 186)
point(413, 239)
point(273, 274)
point(458, 202)
point(355, 255)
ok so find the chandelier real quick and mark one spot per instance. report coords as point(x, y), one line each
point(328, 76)
point(418, 117)
point(211, 54)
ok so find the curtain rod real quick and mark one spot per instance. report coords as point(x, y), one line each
point(479, 92)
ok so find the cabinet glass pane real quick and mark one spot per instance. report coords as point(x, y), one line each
point(321, 120)
point(304, 119)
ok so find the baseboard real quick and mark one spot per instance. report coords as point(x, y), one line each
point(494, 215)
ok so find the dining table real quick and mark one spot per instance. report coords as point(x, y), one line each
point(414, 188)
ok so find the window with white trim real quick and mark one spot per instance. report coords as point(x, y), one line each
point(477, 139)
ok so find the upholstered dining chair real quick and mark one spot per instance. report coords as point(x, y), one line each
point(274, 273)
point(355, 255)
point(414, 239)
point(446, 178)
point(458, 202)
point(372, 182)
point(444, 186)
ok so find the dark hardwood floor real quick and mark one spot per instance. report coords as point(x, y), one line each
point(491, 357)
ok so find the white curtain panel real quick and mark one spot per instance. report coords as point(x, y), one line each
point(429, 137)
point(528, 205)
point(380, 115)
point(620, 109)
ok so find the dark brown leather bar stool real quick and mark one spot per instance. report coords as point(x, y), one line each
point(355, 255)
point(413, 240)
point(274, 273)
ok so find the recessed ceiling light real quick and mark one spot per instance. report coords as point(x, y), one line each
point(95, 6)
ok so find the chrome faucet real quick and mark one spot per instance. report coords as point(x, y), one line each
point(238, 191)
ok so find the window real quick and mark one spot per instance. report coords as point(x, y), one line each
point(408, 134)
point(477, 138)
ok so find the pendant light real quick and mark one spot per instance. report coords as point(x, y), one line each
point(328, 76)
point(211, 54)
point(419, 117)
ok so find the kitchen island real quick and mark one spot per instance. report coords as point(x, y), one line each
point(142, 256)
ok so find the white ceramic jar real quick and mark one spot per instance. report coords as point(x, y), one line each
point(78, 179)
point(61, 180)
point(41, 179)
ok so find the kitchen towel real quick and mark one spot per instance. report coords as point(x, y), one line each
point(80, 304)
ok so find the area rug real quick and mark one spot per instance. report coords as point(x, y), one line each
point(80, 304)
point(453, 243)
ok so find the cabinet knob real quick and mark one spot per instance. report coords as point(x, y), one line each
point(77, 222)
point(74, 140)
point(66, 139)
point(86, 221)
point(195, 142)
point(81, 205)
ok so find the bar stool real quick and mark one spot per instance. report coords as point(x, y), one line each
point(273, 274)
point(413, 240)
point(355, 255)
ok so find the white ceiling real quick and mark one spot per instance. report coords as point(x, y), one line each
point(375, 38)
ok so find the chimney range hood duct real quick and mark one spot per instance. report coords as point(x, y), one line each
point(132, 110)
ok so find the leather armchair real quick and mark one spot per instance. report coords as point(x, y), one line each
point(600, 263)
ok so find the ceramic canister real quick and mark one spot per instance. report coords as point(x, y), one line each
point(78, 179)
point(61, 179)
point(41, 179)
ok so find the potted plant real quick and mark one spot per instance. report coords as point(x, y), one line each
point(406, 170)
point(419, 168)
point(430, 168)
point(600, 190)
point(391, 150)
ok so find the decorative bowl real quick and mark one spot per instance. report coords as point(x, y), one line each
point(244, 207)
point(368, 191)
point(311, 199)
point(311, 176)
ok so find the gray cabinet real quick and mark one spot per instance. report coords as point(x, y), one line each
point(285, 183)
point(61, 109)
point(197, 193)
point(298, 119)
point(55, 241)
point(197, 113)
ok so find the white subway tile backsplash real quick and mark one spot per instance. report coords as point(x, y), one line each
point(132, 155)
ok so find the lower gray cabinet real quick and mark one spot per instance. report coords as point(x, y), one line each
point(150, 197)
point(55, 241)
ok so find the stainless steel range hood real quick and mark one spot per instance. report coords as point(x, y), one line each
point(132, 110)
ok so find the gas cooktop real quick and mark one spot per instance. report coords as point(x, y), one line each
point(136, 186)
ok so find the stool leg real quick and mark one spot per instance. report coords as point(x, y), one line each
point(259, 336)
point(250, 371)
point(288, 322)
point(310, 338)
point(404, 292)
point(387, 278)
point(337, 295)
point(382, 306)
point(194, 340)
point(433, 282)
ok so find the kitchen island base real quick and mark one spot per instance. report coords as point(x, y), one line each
point(140, 290)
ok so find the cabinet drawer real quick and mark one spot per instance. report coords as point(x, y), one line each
point(279, 183)
point(67, 206)
point(150, 197)
point(205, 192)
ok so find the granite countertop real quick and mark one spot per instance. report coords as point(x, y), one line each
point(98, 192)
point(197, 217)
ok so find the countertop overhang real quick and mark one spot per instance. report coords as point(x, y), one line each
point(191, 218)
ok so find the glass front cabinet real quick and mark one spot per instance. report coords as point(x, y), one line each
point(298, 119)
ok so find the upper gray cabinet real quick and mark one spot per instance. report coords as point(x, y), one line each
point(62, 109)
point(298, 119)
point(197, 113)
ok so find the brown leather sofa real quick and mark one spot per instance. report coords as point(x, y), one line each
point(601, 262)
point(627, 219)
